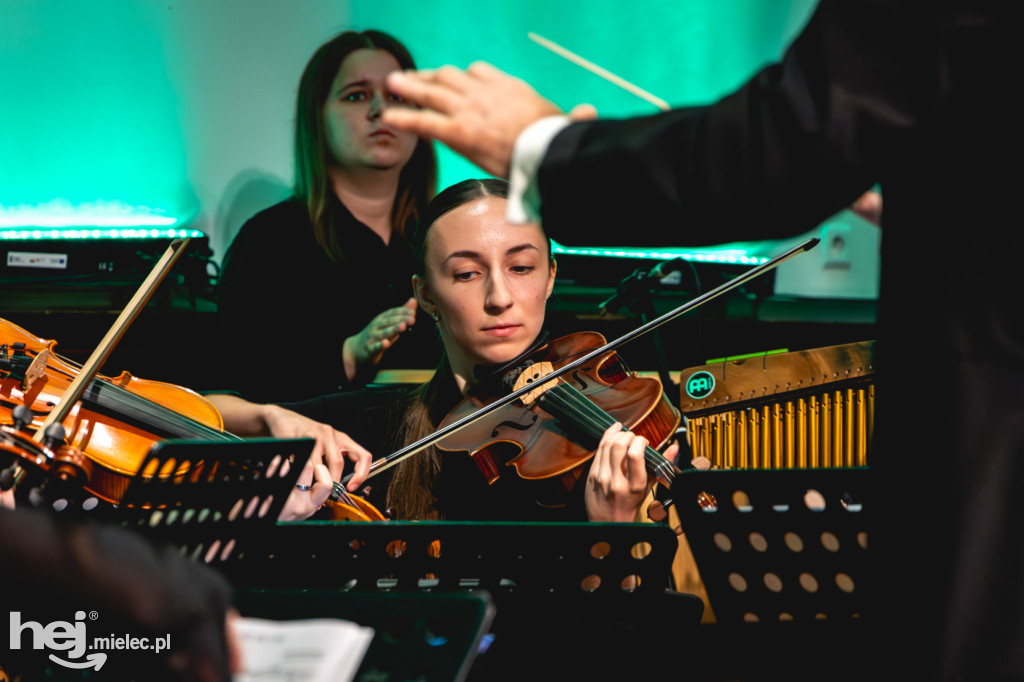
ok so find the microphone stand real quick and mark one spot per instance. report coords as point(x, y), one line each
point(635, 292)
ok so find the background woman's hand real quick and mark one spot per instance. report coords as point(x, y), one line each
point(365, 349)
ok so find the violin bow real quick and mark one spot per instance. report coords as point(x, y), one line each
point(394, 458)
point(114, 334)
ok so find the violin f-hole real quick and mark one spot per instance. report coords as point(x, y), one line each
point(515, 425)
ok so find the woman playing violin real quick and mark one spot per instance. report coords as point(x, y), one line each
point(485, 284)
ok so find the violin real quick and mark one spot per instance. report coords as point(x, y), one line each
point(66, 465)
point(550, 435)
point(344, 506)
point(107, 434)
point(76, 425)
point(116, 421)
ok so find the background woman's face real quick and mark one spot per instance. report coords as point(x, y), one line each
point(355, 135)
point(488, 281)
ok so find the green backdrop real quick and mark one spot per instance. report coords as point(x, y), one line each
point(90, 123)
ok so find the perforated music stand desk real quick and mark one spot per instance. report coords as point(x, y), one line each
point(559, 589)
point(550, 588)
point(783, 556)
point(211, 496)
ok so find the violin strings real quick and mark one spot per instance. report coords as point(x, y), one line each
point(575, 406)
point(106, 393)
point(601, 420)
point(118, 398)
point(339, 493)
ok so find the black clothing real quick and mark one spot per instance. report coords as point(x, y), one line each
point(54, 566)
point(919, 97)
point(286, 308)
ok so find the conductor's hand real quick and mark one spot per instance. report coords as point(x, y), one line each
point(478, 112)
point(617, 483)
point(364, 350)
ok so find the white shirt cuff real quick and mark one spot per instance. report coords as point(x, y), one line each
point(529, 150)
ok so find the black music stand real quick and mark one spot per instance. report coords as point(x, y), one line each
point(210, 497)
point(559, 590)
point(783, 556)
point(522, 592)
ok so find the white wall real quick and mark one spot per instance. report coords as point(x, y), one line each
point(235, 65)
point(180, 106)
point(189, 103)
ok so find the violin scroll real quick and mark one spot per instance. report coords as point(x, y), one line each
point(50, 468)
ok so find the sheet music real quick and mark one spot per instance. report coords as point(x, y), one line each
point(317, 650)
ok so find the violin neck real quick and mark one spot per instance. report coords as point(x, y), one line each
point(106, 397)
point(568, 404)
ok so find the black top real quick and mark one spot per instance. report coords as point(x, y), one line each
point(921, 98)
point(286, 308)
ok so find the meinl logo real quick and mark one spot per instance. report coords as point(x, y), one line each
point(700, 385)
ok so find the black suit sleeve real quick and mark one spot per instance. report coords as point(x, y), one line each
point(801, 140)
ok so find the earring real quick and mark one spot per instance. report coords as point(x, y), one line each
point(437, 318)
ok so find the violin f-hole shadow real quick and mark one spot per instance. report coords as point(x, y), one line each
point(515, 425)
point(576, 375)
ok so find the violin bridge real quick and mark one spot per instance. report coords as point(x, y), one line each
point(530, 375)
point(35, 376)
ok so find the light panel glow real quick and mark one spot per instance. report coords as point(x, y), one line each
point(727, 254)
point(61, 213)
point(98, 233)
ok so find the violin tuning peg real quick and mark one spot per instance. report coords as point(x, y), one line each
point(22, 415)
point(8, 477)
point(54, 435)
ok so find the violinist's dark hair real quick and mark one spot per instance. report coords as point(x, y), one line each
point(417, 181)
point(448, 200)
point(411, 493)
